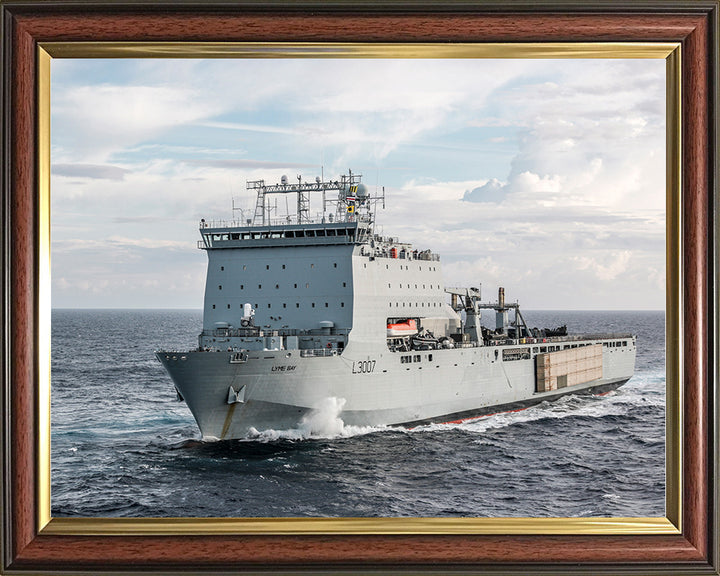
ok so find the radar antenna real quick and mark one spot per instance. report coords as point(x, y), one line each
point(352, 203)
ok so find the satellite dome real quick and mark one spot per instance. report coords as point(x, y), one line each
point(362, 191)
point(283, 180)
point(317, 179)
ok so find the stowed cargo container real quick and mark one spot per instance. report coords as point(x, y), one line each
point(568, 367)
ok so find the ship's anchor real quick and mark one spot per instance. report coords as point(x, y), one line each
point(235, 397)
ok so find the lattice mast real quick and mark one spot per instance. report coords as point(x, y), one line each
point(353, 200)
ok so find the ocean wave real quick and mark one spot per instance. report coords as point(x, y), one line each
point(616, 403)
point(123, 446)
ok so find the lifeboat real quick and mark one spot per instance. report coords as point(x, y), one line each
point(400, 329)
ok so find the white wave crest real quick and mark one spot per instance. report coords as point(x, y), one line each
point(323, 421)
point(648, 391)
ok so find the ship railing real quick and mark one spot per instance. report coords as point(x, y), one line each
point(222, 223)
point(287, 237)
point(253, 332)
point(235, 332)
point(317, 352)
point(404, 255)
point(284, 221)
point(291, 221)
point(257, 332)
point(583, 337)
point(554, 339)
point(602, 336)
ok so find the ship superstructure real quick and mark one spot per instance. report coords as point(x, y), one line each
point(302, 308)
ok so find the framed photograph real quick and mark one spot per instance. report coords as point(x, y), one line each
point(673, 47)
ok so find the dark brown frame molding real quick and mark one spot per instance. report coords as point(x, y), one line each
point(26, 24)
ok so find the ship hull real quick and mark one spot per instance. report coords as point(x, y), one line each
point(307, 322)
point(281, 390)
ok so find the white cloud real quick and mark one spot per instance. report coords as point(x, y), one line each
point(564, 255)
point(251, 127)
point(94, 171)
point(546, 178)
point(489, 122)
point(600, 132)
point(609, 267)
point(99, 120)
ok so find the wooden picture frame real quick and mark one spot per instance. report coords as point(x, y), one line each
point(685, 542)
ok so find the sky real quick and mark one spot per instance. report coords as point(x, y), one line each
point(546, 177)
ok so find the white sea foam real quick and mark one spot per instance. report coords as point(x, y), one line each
point(645, 390)
point(324, 421)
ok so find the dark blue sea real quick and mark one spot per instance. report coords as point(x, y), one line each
point(124, 445)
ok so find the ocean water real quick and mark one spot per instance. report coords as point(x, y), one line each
point(124, 446)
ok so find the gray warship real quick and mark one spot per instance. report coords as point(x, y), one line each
point(300, 311)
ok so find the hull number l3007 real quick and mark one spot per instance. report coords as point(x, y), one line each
point(363, 367)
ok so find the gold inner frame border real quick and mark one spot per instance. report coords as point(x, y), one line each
point(670, 524)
